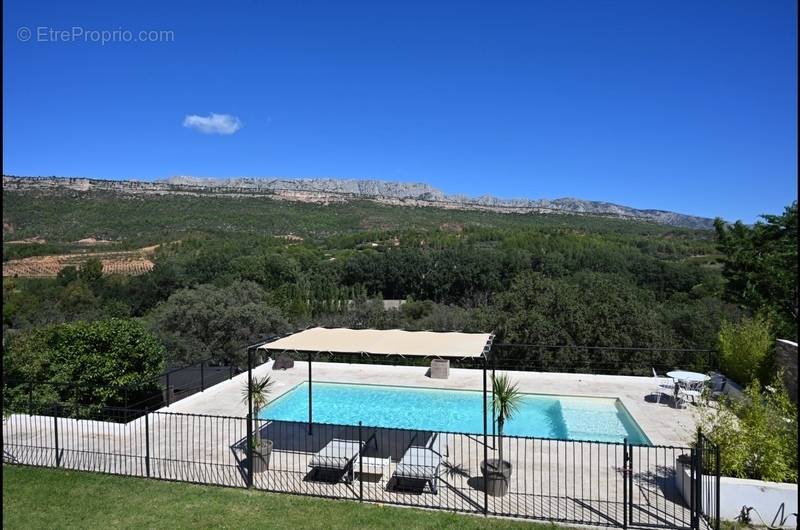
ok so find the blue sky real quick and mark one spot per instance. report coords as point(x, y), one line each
point(681, 105)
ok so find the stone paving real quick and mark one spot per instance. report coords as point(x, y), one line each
point(202, 439)
point(663, 424)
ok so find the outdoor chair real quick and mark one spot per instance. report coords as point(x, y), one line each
point(421, 463)
point(664, 385)
point(718, 387)
point(683, 394)
point(337, 457)
point(696, 391)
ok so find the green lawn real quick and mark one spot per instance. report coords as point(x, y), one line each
point(47, 498)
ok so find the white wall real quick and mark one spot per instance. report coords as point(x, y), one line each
point(765, 497)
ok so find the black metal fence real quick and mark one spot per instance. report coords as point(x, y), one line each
point(708, 480)
point(178, 383)
point(182, 447)
point(556, 358)
point(583, 482)
point(184, 381)
point(611, 360)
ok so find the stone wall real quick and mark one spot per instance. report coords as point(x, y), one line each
point(786, 359)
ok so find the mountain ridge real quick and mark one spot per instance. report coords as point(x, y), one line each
point(327, 190)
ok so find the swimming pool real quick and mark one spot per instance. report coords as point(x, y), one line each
point(543, 416)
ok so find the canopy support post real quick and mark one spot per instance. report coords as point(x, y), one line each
point(250, 417)
point(494, 412)
point(310, 403)
point(485, 441)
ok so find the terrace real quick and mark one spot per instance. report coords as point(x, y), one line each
point(662, 423)
point(203, 438)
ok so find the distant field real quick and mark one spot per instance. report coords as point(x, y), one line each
point(129, 263)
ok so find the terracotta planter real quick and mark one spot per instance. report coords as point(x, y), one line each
point(496, 476)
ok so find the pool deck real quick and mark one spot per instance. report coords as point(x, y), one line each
point(662, 423)
point(561, 480)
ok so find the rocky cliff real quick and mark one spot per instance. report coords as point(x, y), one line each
point(327, 190)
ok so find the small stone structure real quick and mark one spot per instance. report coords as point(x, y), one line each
point(282, 362)
point(786, 360)
point(440, 369)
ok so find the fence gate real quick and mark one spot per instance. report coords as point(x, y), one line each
point(659, 480)
point(672, 487)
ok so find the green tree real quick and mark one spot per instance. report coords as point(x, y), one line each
point(760, 266)
point(270, 270)
point(757, 435)
point(539, 309)
point(210, 322)
point(27, 304)
point(67, 275)
point(91, 270)
point(106, 362)
point(744, 349)
point(76, 298)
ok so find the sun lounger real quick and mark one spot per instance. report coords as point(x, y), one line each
point(338, 457)
point(421, 463)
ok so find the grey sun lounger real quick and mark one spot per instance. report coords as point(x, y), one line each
point(338, 457)
point(421, 463)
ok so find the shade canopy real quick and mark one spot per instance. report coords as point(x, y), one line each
point(384, 342)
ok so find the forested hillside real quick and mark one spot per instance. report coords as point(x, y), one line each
point(58, 217)
point(253, 266)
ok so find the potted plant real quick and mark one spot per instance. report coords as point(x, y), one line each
point(506, 401)
point(258, 392)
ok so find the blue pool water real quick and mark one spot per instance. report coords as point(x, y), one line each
point(561, 417)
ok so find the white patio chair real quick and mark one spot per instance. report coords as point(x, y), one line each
point(698, 386)
point(663, 385)
point(694, 395)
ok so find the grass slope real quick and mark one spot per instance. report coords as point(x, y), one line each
point(47, 498)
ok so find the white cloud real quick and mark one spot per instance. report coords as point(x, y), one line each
point(213, 124)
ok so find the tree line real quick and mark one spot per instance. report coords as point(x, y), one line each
point(573, 285)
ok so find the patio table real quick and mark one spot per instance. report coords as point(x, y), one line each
point(375, 465)
point(689, 383)
point(689, 379)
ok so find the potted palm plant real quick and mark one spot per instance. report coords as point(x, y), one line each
point(258, 392)
point(506, 401)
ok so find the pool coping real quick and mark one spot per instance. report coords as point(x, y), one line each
point(663, 424)
point(616, 399)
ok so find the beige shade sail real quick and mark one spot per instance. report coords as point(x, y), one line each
point(385, 342)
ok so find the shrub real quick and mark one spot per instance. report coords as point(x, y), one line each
point(105, 362)
point(757, 435)
point(744, 349)
point(91, 270)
